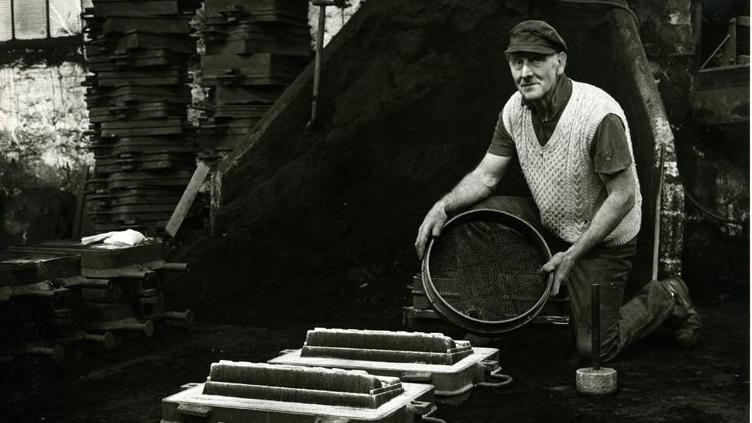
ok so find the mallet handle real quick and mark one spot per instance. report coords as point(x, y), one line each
point(595, 305)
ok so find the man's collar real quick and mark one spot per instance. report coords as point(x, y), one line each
point(556, 99)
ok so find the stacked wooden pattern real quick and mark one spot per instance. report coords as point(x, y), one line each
point(138, 54)
point(253, 50)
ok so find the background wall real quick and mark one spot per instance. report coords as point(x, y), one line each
point(43, 118)
point(713, 161)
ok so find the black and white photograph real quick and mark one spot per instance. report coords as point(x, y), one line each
point(385, 211)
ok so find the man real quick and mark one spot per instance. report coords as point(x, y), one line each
point(573, 144)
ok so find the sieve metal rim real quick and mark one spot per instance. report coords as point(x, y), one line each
point(472, 324)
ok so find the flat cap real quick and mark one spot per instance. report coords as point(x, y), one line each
point(535, 37)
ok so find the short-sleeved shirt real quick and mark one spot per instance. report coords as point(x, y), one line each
point(609, 150)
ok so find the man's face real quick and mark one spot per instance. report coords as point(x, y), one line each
point(534, 73)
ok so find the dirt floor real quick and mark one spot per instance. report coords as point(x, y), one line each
point(657, 381)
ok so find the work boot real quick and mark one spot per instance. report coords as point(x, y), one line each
point(684, 317)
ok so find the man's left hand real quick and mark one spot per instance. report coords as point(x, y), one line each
point(561, 264)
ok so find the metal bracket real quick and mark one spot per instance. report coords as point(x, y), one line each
point(420, 408)
point(504, 379)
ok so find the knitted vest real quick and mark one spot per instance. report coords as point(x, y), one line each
point(561, 174)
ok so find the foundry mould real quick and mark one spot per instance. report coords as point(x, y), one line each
point(148, 124)
point(156, 77)
point(39, 305)
point(36, 275)
point(239, 77)
point(453, 367)
point(403, 347)
point(234, 95)
point(146, 178)
point(144, 8)
point(151, 25)
point(135, 40)
point(149, 161)
point(253, 37)
point(130, 95)
point(253, 66)
point(135, 196)
point(242, 391)
point(141, 145)
point(107, 164)
point(108, 261)
point(144, 110)
point(257, 10)
point(142, 58)
point(26, 268)
point(140, 128)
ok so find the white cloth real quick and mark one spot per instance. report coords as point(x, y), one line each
point(127, 237)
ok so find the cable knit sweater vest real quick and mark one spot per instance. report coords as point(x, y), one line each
point(560, 174)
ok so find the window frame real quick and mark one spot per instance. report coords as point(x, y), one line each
point(48, 26)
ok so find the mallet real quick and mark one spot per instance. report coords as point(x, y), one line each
point(596, 380)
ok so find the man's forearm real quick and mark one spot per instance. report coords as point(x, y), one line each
point(606, 219)
point(467, 192)
point(474, 187)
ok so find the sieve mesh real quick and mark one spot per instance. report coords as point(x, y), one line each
point(486, 269)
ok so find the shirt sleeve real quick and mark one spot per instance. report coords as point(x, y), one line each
point(502, 143)
point(610, 149)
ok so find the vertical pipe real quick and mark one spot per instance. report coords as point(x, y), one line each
point(12, 20)
point(595, 305)
point(317, 63)
point(47, 16)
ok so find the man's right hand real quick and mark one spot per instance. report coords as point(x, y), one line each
point(431, 226)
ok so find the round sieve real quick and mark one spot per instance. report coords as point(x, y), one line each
point(483, 272)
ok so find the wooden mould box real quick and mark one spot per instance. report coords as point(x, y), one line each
point(27, 267)
point(453, 367)
point(101, 260)
point(137, 94)
point(259, 10)
point(143, 8)
point(256, 392)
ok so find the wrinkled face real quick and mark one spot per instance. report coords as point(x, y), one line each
point(534, 73)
